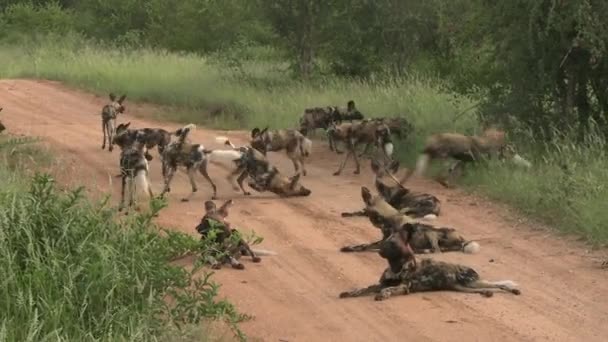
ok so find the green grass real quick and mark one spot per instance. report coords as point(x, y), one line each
point(256, 91)
point(72, 271)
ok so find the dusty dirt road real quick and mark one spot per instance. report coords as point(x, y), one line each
point(293, 296)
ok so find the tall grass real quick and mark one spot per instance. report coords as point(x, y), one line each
point(71, 271)
point(565, 188)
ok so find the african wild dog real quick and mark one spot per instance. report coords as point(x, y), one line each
point(232, 246)
point(151, 137)
point(404, 275)
point(388, 183)
point(292, 141)
point(2, 127)
point(134, 171)
point(466, 149)
point(365, 132)
point(424, 238)
point(276, 183)
point(109, 113)
point(323, 117)
point(399, 126)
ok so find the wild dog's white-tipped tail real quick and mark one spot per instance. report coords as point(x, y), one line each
point(263, 252)
point(520, 161)
point(141, 182)
point(225, 141)
point(224, 156)
point(508, 283)
point(388, 149)
point(421, 164)
point(430, 217)
point(306, 147)
point(471, 247)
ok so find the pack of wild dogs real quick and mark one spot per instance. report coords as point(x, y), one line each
point(395, 210)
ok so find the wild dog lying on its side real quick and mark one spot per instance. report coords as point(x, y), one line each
point(388, 184)
point(404, 275)
point(230, 250)
point(2, 127)
point(424, 238)
point(323, 117)
point(466, 149)
point(365, 132)
point(274, 182)
point(109, 113)
point(151, 137)
point(134, 171)
point(292, 141)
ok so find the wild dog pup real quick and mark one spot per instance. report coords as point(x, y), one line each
point(231, 247)
point(323, 117)
point(2, 127)
point(466, 149)
point(297, 146)
point(365, 132)
point(404, 275)
point(388, 182)
point(134, 171)
point(181, 152)
point(151, 137)
point(276, 183)
point(424, 238)
point(109, 113)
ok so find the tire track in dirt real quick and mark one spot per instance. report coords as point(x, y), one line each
point(293, 296)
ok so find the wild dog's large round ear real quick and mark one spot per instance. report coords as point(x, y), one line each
point(366, 195)
point(122, 98)
point(350, 105)
point(112, 97)
point(264, 130)
point(255, 132)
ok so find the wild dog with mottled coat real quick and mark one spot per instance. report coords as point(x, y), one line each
point(276, 183)
point(134, 171)
point(424, 239)
point(109, 113)
point(297, 146)
point(399, 126)
point(150, 137)
point(231, 247)
point(466, 149)
point(365, 132)
point(405, 276)
point(388, 182)
point(323, 117)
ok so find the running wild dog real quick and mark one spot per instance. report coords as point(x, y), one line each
point(366, 132)
point(293, 142)
point(466, 149)
point(109, 113)
point(323, 117)
point(150, 137)
point(231, 244)
point(388, 182)
point(134, 171)
point(405, 276)
point(423, 238)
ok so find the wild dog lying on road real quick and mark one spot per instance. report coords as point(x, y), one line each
point(274, 182)
point(365, 132)
point(388, 184)
point(151, 137)
point(466, 149)
point(2, 127)
point(405, 276)
point(134, 171)
point(323, 117)
point(109, 113)
point(292, 141)
point(424, 238)
point(231, 244)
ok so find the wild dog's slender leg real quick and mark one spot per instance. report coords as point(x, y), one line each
point(203, 170)
point(239, 171)
point(365, 149)
point(296, 165)
point(150, 192)
point(169, 173)
point(349, 151)
point(484, 284)
point(303, 166)
point(122, 191)
point(483, 292)
point(361, 212)
point(240, 180)
point(103, 129)
point(191, 171)
point(399, 290)
point(248, 251)
point(358, 167)
point(110, 135)
point(235, 263)
point(362, 247)
point(376, 288)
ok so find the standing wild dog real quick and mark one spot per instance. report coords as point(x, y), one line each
point(323, 117)
point(2, 127)
point(466, 149)
point(388, 184)
point(366, 132)
point(404, 275)
point(292, 141)
point(276, 183)
point(399, 126)
point(134, 171)
point(424, 238)
point(231, 244)
point(150, 137)
point(109, 113)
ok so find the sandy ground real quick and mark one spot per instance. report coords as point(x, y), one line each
point(294, 296)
